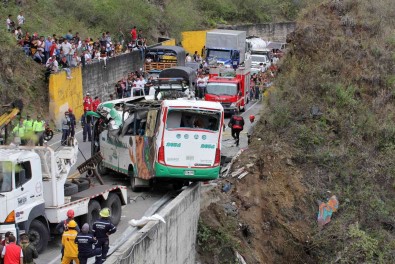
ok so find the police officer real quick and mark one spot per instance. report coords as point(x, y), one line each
point(86, 122)
point(19, 131)
point(38, 128)
point(28, 123)
point(102, 229)
point(85, 242)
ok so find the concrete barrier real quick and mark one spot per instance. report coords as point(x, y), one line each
point(100, 81)
point(173, 242)
point(64, 94)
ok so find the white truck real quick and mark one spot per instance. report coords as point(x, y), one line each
point(32, 192)
point(226, 47)
point(259, 52)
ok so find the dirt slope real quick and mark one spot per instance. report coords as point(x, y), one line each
point(327, 129)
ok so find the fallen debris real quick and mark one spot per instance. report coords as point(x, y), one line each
point(237, 172)
point(241, 176)
point(326, 210)
point(144, 220)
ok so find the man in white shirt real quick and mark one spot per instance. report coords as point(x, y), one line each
point(66, 47)
point(140, 83)
point(52, 64)
point(21, 19)
point(201, 84)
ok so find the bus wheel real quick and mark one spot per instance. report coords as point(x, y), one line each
point(133, 181)
point(101, 169)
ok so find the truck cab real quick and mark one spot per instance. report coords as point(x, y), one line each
point(224, 57)
point(230, 88)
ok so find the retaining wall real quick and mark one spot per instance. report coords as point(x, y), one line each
point(64, 94)
point(100, 81)
point(173, 242)
point(268, 31)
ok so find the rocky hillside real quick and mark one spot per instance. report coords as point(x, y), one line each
point(328, 129)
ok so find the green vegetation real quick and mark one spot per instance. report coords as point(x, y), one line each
point(341, 61)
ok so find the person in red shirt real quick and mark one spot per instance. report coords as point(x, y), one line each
point(52, 49)
point(12, 253)
point(134, 34)
point(95, 103)
point(88, 102)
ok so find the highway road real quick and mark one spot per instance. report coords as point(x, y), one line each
point(140, 202)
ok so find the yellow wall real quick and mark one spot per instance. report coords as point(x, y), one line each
point(170, 42)
point(193, 41)
point(65, 94)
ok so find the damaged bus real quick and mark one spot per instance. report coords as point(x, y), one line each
point(150, 140)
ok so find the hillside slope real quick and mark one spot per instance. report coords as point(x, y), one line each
point(328, 129)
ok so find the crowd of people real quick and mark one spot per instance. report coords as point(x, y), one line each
point(58, 53)
point(13, 252)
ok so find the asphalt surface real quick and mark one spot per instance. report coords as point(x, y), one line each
point(140, 202)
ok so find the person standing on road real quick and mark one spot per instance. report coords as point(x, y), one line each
point(12, 253)
point(95, 103)
point(28, 124)
point(19, 131)
point(86, 122)
point(72, 122)
point(38, 128)
point(86, 242)
point(88, 102)
point(236, 123)
point(29, 251)
point(251, 129)
point(63, 226)
point(68, 242)
point(102, 229)
point(65, 128)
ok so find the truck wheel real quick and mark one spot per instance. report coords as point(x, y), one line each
point(101, 169)
point(114, 204)
point(133, 181)
point(82, 184)
point(93, 213)
point(38, 235)
point(70, 189)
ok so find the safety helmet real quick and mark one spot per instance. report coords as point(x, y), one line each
point(105, 212)
point(252, 117)
point(72, 224)
point(70, 110)
point(70, 213)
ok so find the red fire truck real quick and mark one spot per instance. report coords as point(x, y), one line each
point(229, 87)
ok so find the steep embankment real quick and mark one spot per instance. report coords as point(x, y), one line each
point(328, 129)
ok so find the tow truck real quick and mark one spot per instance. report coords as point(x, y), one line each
point(35, 194)
point(229, 87)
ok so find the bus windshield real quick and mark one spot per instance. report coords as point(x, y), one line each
point(193, 118)
point(221, 88)
point(5, 176)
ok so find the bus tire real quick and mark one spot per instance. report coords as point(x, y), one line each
point(133, 181)
point(114, 204)
point(101, 169)
point(93, 213)
point(70, 189)
point(38, 235)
